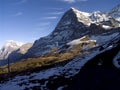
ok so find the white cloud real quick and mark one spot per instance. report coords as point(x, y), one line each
point(56, 8)
point(18, 14)
point(56, 13)
point(82, 0)
point(73, 1)
point(69, 1)
point(43, 24)
point(21, 1)
point(53, 17)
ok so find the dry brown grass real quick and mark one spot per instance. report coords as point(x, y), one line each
point(51, 58)
point(32, 63)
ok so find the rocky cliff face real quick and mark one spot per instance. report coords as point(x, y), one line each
point(115, 13)
point(74, 24)
point(71, 26)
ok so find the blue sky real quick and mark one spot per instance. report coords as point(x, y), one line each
point(28, 20)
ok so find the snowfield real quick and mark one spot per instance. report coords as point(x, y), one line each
point(79, 41)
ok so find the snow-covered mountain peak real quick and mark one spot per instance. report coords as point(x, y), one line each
point(78, 11)
point(13, 44)
point(82, 17)
point(8, 48)
point(72, 8)
point(98, 16)
point(13, 50)
point(71, 17)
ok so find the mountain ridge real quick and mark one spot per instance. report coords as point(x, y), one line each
point(115, 12)
point(74, 24)
point(13, 50)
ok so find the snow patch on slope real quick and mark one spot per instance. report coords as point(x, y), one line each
point(13, 44)
point(106, 27)
point(79, 41)
point(82, 16)
point(98, 16)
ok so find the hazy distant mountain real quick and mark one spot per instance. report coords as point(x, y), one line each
point(19, 53)
point(8, 48)
point(14, 51)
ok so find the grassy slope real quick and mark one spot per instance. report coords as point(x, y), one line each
point(51, 59)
